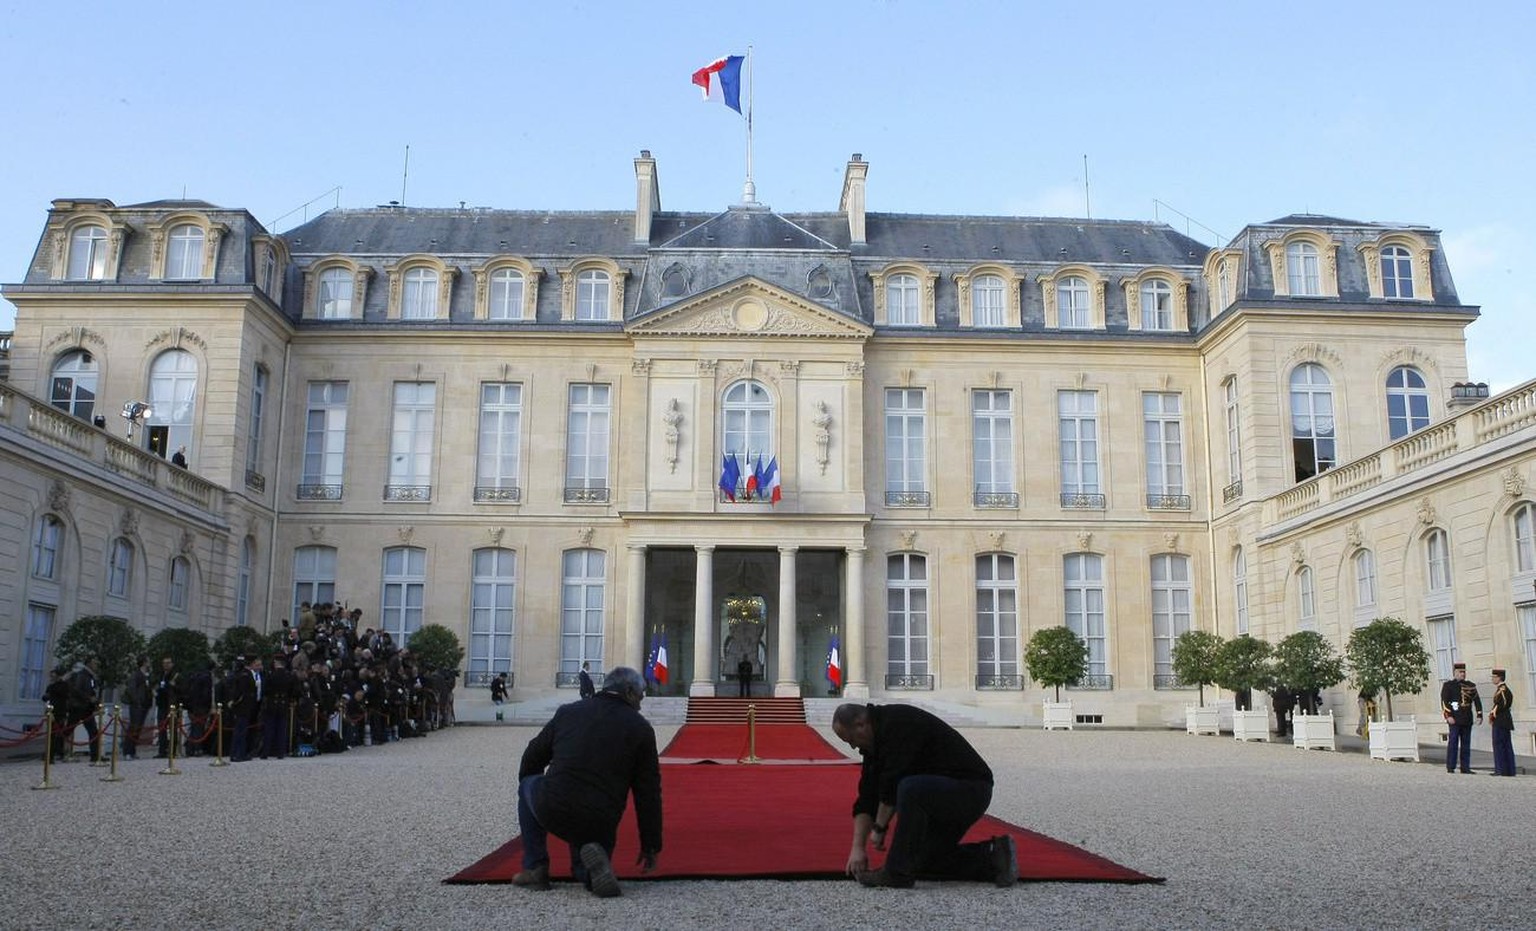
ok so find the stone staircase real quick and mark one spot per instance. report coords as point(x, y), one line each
point(702, 710)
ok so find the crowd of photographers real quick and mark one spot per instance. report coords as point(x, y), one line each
point(329, 687)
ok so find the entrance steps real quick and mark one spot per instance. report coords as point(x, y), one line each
point(703, 710)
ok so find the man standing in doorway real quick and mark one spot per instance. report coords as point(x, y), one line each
point(1458, 698)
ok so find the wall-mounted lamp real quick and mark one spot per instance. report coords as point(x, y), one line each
point(134, 412)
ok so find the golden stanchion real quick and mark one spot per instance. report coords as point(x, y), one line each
point(172, 721)
point(47, 750)
point(117, 725)
point(218, 736)
point(100, 715)
point(751, 756)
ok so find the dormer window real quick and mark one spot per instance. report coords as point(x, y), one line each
point(1396, 272)
point(901, 301)
point(184, 258)
point(88, 254)
point(1072, 308)
point(506, 294)
point(336, 294)
point(987, 301)
point(592, 295)
point(1156, 305)
point(1302, 272)
point(420, 298)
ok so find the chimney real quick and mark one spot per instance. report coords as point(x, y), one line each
point(647, 195)
point(1467, 394)
point(852, 202)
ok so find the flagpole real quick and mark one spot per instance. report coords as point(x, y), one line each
point(749, 190)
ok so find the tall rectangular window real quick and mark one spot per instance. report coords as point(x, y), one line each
point(176, 593)
point(582, 594)
point(1240, 588)
point(1442, 644)
point(493, 603)
point(997, 616)
point(1234, 433)
point(411, 432)
point(258, 410)
point(1171, 609)
point(1163, 422)
point(1527, 615)
point(588, 423)
point(987, 301)
point(325, 437)
point(501, 419)
point(1365, 582)
point(314, 576)
point(45, 547)
point(404, 595)
point(1078, 429)
point(1437, 554)
point(901, 301)
point(906, 615)
point(906, 438)
point(992, 441)
point(1306, 600)
point(1083, 591)
point(34, 652)
point(120, 568)
point(243, 583)
point(1525, 538)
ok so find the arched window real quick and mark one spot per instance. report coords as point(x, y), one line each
point(314, 576)
point(1306, 600)
point(1172, 611)
point(180, 579)
point(404, 596)
point(1083, 592)
point(335, 294)
point(997, 617)
point(747, 421)
point(1302, 270)
point(1072, 310)
point(906, 615)
point(1396, 272)
point(492, 612)
point(1240, 588)
point(1312, 428)
point(243, 583)
point(87, 254)
point(506, 299)
point(1525, 539)
point(45, 547)
point(73, 385)
point(987, 301)
point(184, 258)
point(1156, 305)
point(582, 597)
point(902, 307)
point(1437, 558)
point(173, 400)
point(1365, 581)
point(420, 297)
point(592, 295)
point(120, 568)
point(1407, 402)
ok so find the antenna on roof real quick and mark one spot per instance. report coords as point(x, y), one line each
point(406, 173)
point(1087, 207)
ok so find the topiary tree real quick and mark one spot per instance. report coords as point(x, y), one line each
point(1388, 656)
point(1306, 663)
point(112, 640)
point(1194, 659)
point(1242, 666)
point(240, 641)
point(188, 649)
point(1055, 656)
point(435, 647)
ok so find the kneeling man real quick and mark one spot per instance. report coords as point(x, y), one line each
point(920, 771)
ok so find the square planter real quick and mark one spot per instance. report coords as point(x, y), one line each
point(1058, 715)
point(1312, 731)
point(1395, 740)
point(1200, 719)
point(1250, 725)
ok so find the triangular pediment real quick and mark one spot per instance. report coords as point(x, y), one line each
point(749, 308)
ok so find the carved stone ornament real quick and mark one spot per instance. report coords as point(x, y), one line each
point(822, 421)
point(1084, 539)
point(58, 496)
point(1352, 535)
point(1171, 542)
point(495, 533)
point(130, 522)
point(188, 541)
point(1514, 482)
point(584, 535)
point(855, 368)
point(405, 533)
point(317, 532)
point(1298, 555)
point(672, 419)
point(997, 538)
point(640, 367)
point(908, 539)
point(1426, 512)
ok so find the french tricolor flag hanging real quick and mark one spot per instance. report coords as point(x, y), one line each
point(721, 81)
point(659, 667)
point(835, 664)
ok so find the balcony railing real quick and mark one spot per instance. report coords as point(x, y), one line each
point(1099, 683)
point(1077, 501)
point(908, 499)
point(1001, 683)
point(407, 492)
point(498, 494)
point(567, 680)
point(1168, 502)
point(1232, 492)
point(996, 499)
point(908, 683)
point(318, 492)
point(1167, 681)
point(586, 494)
point(482, 679)
point(255, 481)
point(742, 497)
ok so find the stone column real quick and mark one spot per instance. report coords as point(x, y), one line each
point(634, 633)
point(787, 685)
point(855, 681)
point(703, 682)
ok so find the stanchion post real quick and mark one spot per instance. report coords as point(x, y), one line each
point(116, 725)
point(100, 714)
point(752, 734)
point(218, 736)
point(47, 750)
point(172, 721)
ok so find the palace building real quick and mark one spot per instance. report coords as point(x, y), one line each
point(752, 435)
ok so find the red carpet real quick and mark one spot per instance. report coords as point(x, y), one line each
point(790, 820)
point(728, 743)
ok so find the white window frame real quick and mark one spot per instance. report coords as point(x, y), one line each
point(1156, 305)
point(46, 538)
point(906, 440)
point(1306, 599)
point(992, 440)
point(32, 665)
point(1172, 607)
point(594, 289)
point(179, 584)
point(314, 576)
point(335, 289)
point(1234, 431)
point(1240, 588)
point(499, 461)
point(906, 601)
point(418, 299)
point(120, 568)
point(583, 608)
point(413, 428)
point(1442, 644)
point(1303, 269)
point(1437, 561)
point(1364, 564)
point(184, 252)
point(1074, 309)
point(1396, 273)
point(1078, 434)
point(1163, 428)
point(402, 592)
point(1526, 614)
point(997, 615)
point(1524, 524)
point(492, 610)
point(903, 300)
point(246, 573)
point(259, 379)
point(1084, 606)
point(325, 433)
point(1312, 418)
point(746, 419)
point(506, 294)
point(173, 390)
point(988, 302)
point(588, 429)
point(1406, 389)
point(78, 375)
point(87, 253)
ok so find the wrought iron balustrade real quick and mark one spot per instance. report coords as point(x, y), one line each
point(578, 494)
point(1013, 683)
point(1169, 681)
point(498, 494)
point(482, 679)
point(1099, 683)
point(255, 481)
point(319, 492)
point(996, 499)
point(1232, 492)
point(908, 499)
point(407, 492)
point(909, 683)
point(1082, 502)
point(1168, 502)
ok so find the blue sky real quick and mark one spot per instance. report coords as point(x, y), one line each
point(1229, 114)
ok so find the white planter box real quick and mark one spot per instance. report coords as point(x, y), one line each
point(1250, 725)
point(1202, 719)
point(1058, 714)
point(1395, 740)
point(1312, 731)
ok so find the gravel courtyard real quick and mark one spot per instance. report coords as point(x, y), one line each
point(1248, 836)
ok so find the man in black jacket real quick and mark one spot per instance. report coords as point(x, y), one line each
point(277, 692)
point(84, 694)
point(244, 690)
point(575, 777)
point(920, 771)
point(138, 697)
point(167, 694)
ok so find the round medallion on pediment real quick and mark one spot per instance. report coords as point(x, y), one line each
point(750, 315)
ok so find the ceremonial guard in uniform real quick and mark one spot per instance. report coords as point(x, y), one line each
point(244, 688)
point(1458, 698)
point(1501, 722)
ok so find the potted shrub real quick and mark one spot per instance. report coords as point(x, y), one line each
point(1194, 662)
point(1055, 656)
point(1306, 664)
point(1243, 667)
point(1388, 656)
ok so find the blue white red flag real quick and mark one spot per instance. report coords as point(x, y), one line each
point(834, 664)
point(659, 668)
point(650, 660)
point(768, 485)
point(730, 474)
point(721, 81)
point(755, 479)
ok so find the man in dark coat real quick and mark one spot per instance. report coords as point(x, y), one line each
point(138, 697)
point(1283, 700)
point(167, 693)
point(744, 677)
point(244, 690)
point(920, 771)
point(198, 695)
point(575, 778)
point(277, 692)
point(57, 696)
point(1458, 698)
point(84, 689)
point(585, 680)
point(1501, 721)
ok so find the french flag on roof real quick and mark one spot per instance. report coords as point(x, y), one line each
point(721, 81)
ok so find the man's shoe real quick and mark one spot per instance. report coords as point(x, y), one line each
point(877, 879)
point(600, 878)
point(533, 878)
point(1005, 862)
